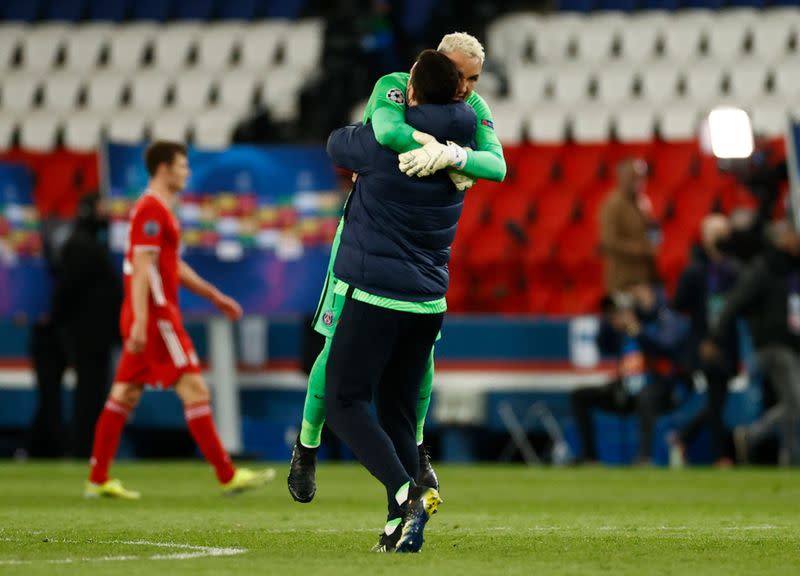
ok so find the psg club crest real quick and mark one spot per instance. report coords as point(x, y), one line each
point(327, 318)
point(397, 96)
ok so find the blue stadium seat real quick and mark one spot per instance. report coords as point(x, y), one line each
point(291, 9)
point(620, 5)
point(238, 9)
point(752, 3)
point(24, 10)
point(576, 5)
point(195, 10)
point(108, 10)
point(661, 4)
point(708, 4)
point(158, 10)
point(66, 10)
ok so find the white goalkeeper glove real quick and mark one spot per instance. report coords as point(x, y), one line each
point(462, 181)
point(432, 157)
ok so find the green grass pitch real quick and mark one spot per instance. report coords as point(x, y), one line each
point(495, 520)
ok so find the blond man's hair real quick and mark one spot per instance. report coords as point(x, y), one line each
point(464, 43)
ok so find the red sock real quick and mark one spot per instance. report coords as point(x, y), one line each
point(204, 432)
point(106, 439)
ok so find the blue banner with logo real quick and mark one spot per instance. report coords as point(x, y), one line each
point(257, 222)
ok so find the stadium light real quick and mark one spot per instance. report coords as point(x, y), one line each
point(728, 133)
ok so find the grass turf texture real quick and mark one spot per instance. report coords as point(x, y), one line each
point(495, 520)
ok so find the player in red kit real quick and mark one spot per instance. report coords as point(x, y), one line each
point(157, 349)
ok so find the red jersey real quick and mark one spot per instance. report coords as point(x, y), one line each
point(154, 227)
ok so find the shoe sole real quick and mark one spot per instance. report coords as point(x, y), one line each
point(412, 538)
point(301, 499)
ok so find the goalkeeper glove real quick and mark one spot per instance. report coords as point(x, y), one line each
point(462, 181)
point(432, 157)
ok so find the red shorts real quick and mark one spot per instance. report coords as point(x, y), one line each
point(168, 354)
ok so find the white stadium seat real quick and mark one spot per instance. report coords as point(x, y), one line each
point(595, 41)
point(192, 91)
point(547, 124)
point(528, 84)
point(786, 80)
point(510, 38)
point(261, 43)
point(591, 124)
point(509, 122)
point(104, 91)
point(679, 121)
point(214, 129)
point(726, 41)
point(772, 38)
point(615, 84)
point(638, 41)
point(82, 131)
point(571, 84)
point(149, 90)
point(38, 131)
point(236, 91)
point(8, 124)
point(659, 83)
point(41, 46)
point(18, 91)
point(128, 46)
point(170, 125)
point(555, 37)
point(770, 117)
point(126, 127)
point(682, 40)
point(217, 44)
point(704, 81)
point(635, 123)
point(280, 92)
point(304, 42)
point(172, 46)
point(10, 40)
point(747, 80)
point(85, 45)
point(61, 91)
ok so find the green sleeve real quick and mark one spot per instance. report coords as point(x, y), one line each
point(486, 161)
point(388, 116)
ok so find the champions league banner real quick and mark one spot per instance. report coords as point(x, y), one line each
point(257, 222)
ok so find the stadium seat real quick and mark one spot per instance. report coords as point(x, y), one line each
point(149, 91)
point(582, 165)
point(534, 169)
point(170, 125)
point(85, 45)
point(591, 124)
point(66, 10)
point(61, 91)
point(155, 10)
point(172, 46)
point(126, 127)
point(18, 91)
point(635, 123)
point(571, 84)
point(577, 5)
point(704, 82)
point(238, 9)
point(214, 129)
point(192, 91)
point(595, 40)
point(42, 45)
point(280, 92)
point(108, 10)
point(670, 5)
point(747, 81)
point(674, 163)
point(304, 43)
point(38, 131)
point(261, 43)
point(706, 4)
point(236, 91)
point(638, 40)
point(659, 84)
point(786, 80)
point(527, 85)
point(769, 116)
point(105, 90)
point(772, 38)
point(82, 131)
point(510, 38)
point(618, 5)
point(128, 46)
point(682, 38)
point(547, 124)
point(26, 11)
point(509, 122)
point(615, 85)
point(195, 10)
point(726, 40)
point(216, 45)
point(8, 125)
point(10, 41)
point(555, 37)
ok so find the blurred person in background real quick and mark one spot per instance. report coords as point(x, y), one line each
point(700, 295)
point(649, 341)
point(87, 303)
point(768, 296)
point(625, 239)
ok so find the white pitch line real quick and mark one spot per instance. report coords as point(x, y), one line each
point(195, 552)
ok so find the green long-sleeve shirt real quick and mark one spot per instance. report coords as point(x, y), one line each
point(386, 109)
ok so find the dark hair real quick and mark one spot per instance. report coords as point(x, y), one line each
point(434, 78)
point(162, 152)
